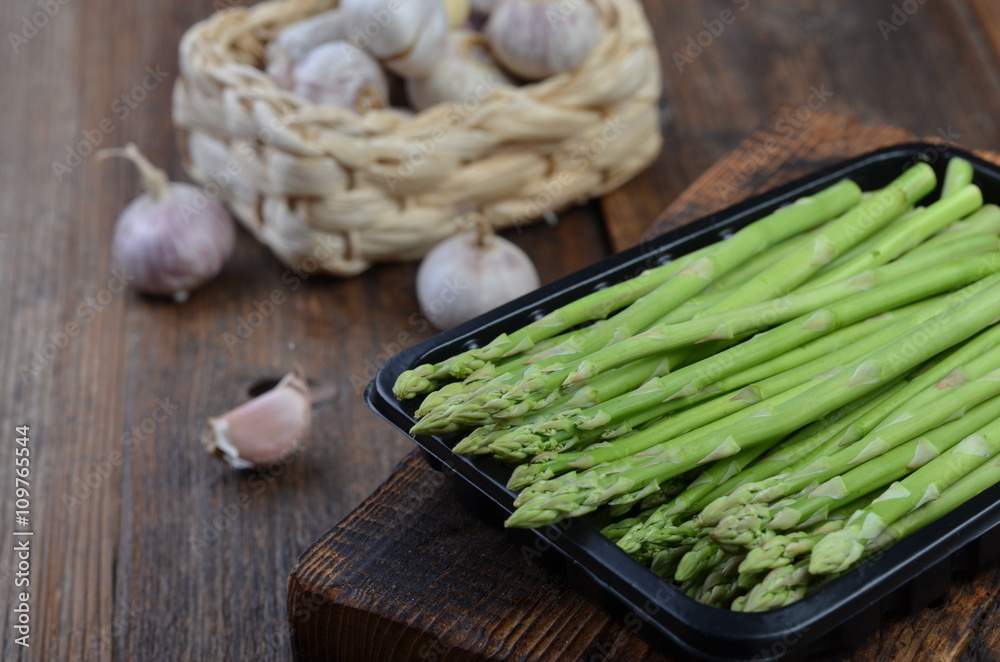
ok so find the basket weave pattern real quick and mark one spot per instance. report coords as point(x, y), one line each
point(346, 191)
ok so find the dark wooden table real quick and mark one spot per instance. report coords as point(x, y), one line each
point(145, 549)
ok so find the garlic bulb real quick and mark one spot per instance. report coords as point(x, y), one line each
point(173, 238)
point(407, 36)
point(339, 74)
point(466, 73)
point(299, 38)
point(535, 39)
point(266, 429)
point(457, 12)
point(469, 274)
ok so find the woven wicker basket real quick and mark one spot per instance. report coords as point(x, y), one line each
point(344, 191)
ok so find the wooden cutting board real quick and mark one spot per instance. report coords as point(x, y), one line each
point(410, 575)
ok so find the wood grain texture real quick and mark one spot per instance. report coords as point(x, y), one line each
point(935, 75)
point(371, 594)
point(773, 155)
point(146, 551)
point(447, 598)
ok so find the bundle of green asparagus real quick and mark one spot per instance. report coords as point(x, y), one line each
point(767, 412)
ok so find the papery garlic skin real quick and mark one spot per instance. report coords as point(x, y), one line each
point(266, 429)
point(173, 238)
point(467, 275)
point(536, 39)
point(466, 73)
point(293, 42)
point(172, 245)
point(407, 36)
point(342, 75)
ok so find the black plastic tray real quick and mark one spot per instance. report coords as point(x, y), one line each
point(905, 578)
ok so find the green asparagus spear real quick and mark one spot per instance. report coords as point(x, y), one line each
point(734, 323)
point(780, 587)
point(882, 470)
point(921, 389)
point(839, 550)
point(979, 479)
point(700, 415)
point(927, 223)
point(690, 379)
point(577, 495)
point(538, 436)
point(957, 176)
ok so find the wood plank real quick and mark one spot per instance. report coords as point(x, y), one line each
point(929, 78)
point(410, 571)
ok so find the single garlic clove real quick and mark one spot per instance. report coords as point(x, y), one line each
point(407, 36)
point(470, 274)
point(428, 49)
point(536, 39)
point(466, 74)
point(266, 429)
point(340, 74)
point(173, 238)
point(293, 42)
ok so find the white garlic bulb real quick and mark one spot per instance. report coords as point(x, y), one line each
point(299, 38)
point(469, 274)
point(339, 74)
point(535, 39)
point(173, 238)
point(266, 429)
point(407, 36)
point(467, 73)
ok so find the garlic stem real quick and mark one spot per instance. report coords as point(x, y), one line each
point(154, 180)
point(485, 233)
